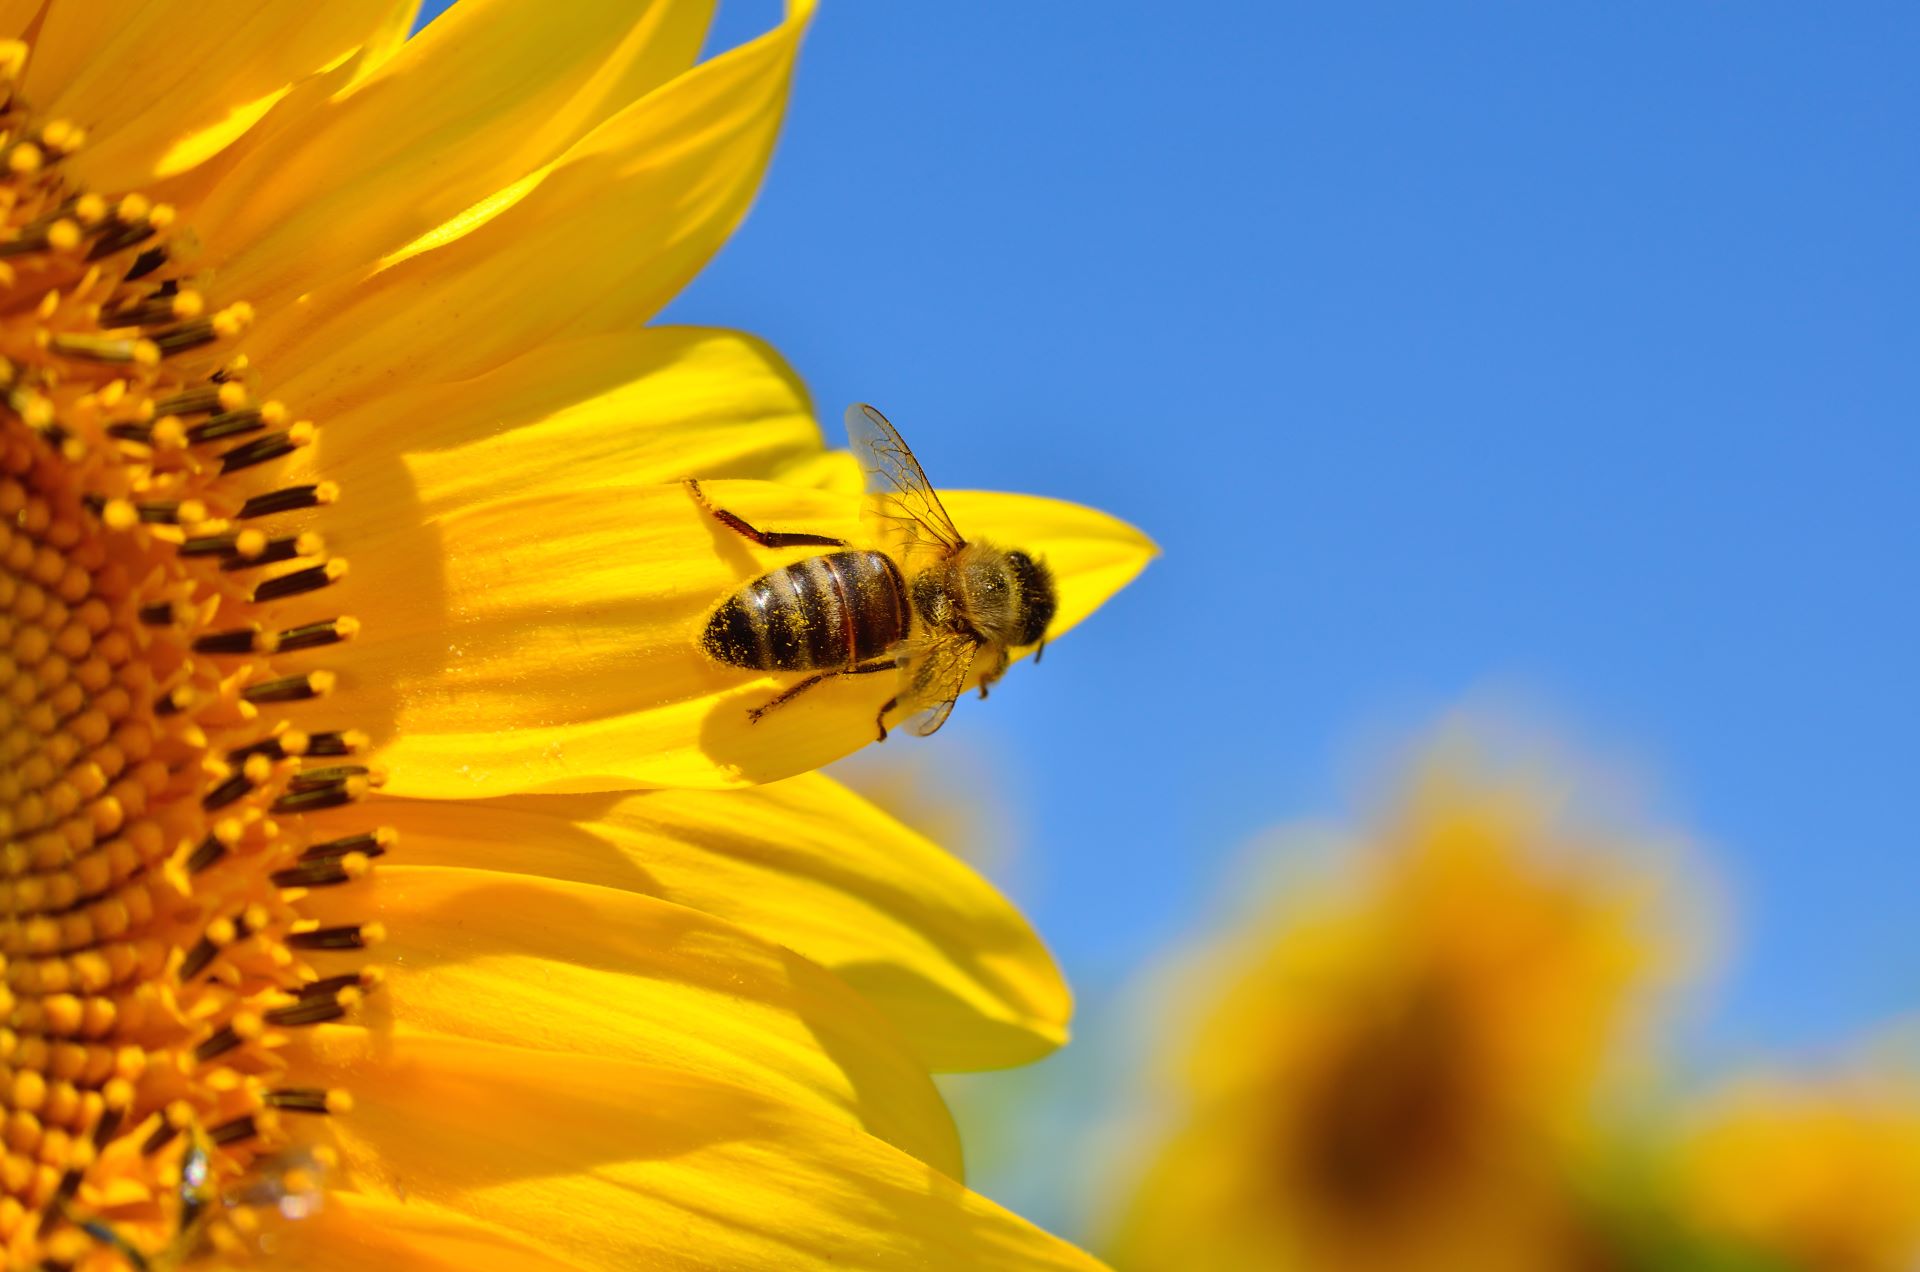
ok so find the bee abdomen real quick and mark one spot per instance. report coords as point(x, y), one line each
point(822, 613)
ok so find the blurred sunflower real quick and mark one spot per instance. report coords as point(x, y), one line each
point(284, 288)
point(1814, 1175)
point(1401, 1063)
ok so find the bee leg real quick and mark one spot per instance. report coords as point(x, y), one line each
point(992, 674)
point(795, 690)
point(786, 695)
point(765, 538)
point(880, 721)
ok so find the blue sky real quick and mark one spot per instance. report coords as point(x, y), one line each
point(1569, 352)
point(1557, 352)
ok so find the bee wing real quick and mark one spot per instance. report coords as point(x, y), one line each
point(290, 1181)
point(936, 673)
point(903, 498)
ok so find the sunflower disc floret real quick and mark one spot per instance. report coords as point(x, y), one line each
point(157, 949)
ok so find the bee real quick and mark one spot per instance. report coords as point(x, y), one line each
point(931, 605)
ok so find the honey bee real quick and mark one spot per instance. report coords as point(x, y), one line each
point(931, 604)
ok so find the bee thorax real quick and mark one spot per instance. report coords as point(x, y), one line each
point(934, 599)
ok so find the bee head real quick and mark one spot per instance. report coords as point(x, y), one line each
point(1033, 583)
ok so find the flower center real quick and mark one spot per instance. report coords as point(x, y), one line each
point(153, 856)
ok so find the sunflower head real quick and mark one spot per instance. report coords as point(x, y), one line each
point(1397, 1060)
point(1822, 1175)
point(705, 1018)
point(159, 617)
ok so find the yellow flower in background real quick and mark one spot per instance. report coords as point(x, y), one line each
point(343, 525)
point(1816, 1175)
point(1392, 1069)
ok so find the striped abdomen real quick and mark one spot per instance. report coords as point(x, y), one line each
point(821, 614)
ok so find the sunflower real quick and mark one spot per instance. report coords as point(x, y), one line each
point(1816, 1174)
point(1399, 1065)
point(351, 597)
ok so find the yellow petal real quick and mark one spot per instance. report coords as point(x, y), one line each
point(597, 241)
point(556, 648)
point(611, 1164)
point(388, 36)
point(356, 1231)
point(160, 85)
point(835, 471)
point(490, 91)
point(804, 863)
point(617, 410)
point(561, 967)
point(16, 17)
